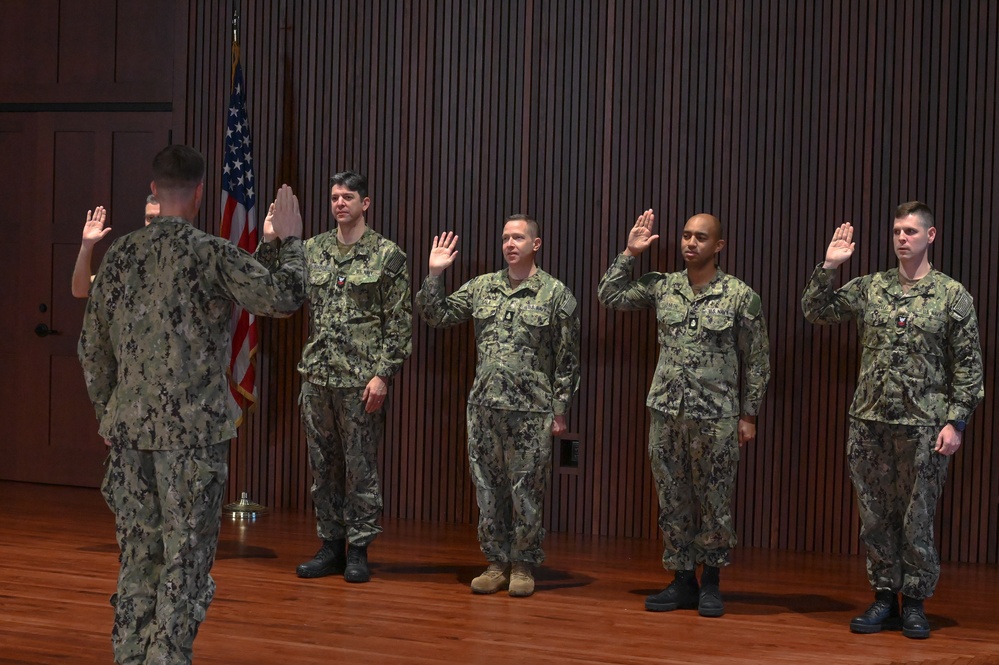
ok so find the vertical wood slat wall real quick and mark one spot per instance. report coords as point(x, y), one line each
point(782, 118)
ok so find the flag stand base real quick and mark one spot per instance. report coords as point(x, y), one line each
point(244, 509)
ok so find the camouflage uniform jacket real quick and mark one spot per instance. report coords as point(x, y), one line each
point(155, 339)
point(921, 362)
point(362, 311)
point(707, 341)
point(527, 338)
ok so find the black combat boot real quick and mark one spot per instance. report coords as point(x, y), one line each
point(329, 560)
point(914, 622)
point(357, 564)
point(883, 613)
point(681, 594)
point(709, 602)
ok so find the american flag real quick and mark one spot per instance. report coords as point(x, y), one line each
point(240, 226)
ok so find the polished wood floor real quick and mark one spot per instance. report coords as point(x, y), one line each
point(58, 565)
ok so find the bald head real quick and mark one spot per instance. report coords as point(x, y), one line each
point(707, 222)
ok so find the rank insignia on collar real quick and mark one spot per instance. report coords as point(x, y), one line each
point(508, 316)
point(901, 321)
point(341, 280)
point(693, 323)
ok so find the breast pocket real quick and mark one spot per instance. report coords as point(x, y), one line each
point(672, 324)
point(876, 330)
point(535, 319)
point(717, 323)
point(927, 335)
point(319, 278)
point(362, 287)
point(483, 311)
point(716, 331)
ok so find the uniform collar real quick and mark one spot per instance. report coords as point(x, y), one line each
point(713, 287)
point(364, 246)
point(889, 282)
point(532, 283)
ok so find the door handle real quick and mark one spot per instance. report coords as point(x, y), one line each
point(43, 330)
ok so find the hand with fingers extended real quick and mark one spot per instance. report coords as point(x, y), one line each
point(94, 230)
point(443, 253)
point(641, 234)
point(841, 247)
point(285, 215)
point(269, 234)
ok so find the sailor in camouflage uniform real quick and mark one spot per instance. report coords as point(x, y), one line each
point(527, 339)
point(713, 340)
point(920, 380)
point(154, 349)
point(361, 333)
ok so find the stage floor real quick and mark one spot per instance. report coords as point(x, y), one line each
point(58, 566)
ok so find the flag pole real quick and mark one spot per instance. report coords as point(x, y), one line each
point(245, 508)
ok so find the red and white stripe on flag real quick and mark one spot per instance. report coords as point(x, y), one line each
point(239, 225)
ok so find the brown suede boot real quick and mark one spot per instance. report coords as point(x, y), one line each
point(492, 578)
point(521, 580)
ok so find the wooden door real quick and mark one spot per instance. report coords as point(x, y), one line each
point(69, 163)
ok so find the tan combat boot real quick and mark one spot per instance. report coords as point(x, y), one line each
point(492, 579)
point(521, 580)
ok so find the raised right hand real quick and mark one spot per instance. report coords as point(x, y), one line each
point(269, 233)
point(841, 247)
point(443, 253)
point(93, 229)
point(286, 220)
point(641, 234)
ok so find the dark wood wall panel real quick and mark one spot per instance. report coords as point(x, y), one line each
point(90, 52)
point(783, 118)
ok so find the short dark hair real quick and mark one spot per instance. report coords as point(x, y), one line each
point(152, 199)
point(532, 224)
point(178, 167)
point(352, 180)
point(917, 208)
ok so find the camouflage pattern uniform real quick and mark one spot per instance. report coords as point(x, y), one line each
point(708, 341)
point(527, 339)
point(154, 350)
point(361, 327)
point(921, 366)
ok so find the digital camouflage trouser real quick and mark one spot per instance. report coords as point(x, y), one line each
point(167, 507)
point(509, 456)
point(898, 478)
point(694, 464)
point(343, 454)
